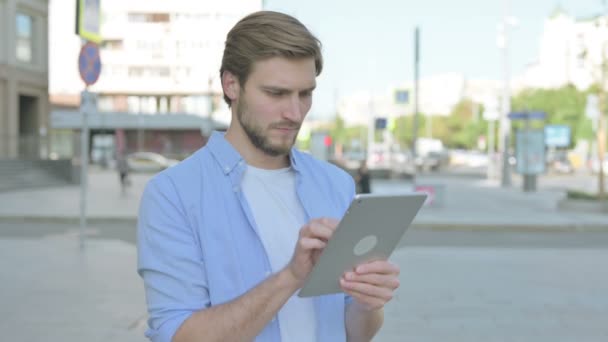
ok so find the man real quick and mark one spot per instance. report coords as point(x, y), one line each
point(227, 237)
point(363, 178)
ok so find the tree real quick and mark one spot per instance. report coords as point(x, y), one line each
point(564, 106)
point(402, 130)
point(463, 127)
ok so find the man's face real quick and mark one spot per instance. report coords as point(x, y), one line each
point(274, 101)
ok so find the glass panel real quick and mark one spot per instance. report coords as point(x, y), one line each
point(24, 37)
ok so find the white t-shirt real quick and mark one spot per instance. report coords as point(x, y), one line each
point(279, 215)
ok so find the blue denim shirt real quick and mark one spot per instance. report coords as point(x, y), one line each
point(198, 244)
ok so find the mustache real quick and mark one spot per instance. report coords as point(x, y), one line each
point(286, 124)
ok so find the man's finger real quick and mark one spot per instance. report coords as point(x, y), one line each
point(367, 301)
point(332, 223)
point(379, 266)
point(315, 229)
point(367, 289)
point(382, 280)
point(311, 243)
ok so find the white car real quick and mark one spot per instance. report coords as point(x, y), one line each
point(149, 162)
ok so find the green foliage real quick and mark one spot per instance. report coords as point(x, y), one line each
point(345, 135)
point(574, 194)
point(464, 126)
point(403, 129)
point(459, 130)
point(564, 106)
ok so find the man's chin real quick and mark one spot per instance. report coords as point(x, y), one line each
point(278, 149)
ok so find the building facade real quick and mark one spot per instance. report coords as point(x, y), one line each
point(24, 102)
point(157, 56)
point(570, 53)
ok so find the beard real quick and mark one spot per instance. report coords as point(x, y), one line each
point(256, 133)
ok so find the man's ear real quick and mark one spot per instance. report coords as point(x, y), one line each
point(230, 85)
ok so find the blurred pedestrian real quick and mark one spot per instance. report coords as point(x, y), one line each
point(363, 179)
point(123, 172)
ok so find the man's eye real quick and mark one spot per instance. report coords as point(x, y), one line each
point(275, 93)
point(306, 94)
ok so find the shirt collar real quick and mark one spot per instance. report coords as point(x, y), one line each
point(229, 158)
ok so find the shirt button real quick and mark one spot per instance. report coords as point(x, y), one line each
point(267, 273)
point(227, 169)
point(235, 189)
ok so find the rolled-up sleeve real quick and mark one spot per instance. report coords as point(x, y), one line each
point(170, 260)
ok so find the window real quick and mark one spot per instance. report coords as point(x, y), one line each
point(149, 17)
point(24, 31)
point(144, 72)
point(112, 44)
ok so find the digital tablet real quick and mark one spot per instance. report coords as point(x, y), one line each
point(370, 230)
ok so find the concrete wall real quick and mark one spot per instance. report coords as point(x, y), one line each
point(22, 78)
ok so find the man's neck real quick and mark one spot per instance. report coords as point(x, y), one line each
point(253, 155)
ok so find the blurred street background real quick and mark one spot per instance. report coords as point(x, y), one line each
point(496, 109)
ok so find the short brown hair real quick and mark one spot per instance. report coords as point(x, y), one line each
point(263, 35)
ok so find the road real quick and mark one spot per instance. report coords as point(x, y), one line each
point(455, 285)
point(415, 238)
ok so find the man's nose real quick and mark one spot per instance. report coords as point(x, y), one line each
point(293, 111)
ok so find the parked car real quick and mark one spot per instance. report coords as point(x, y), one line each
point(558, 161)
point(149, 162)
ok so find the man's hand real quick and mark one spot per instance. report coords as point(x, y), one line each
point(311, 242)
point(371, 284)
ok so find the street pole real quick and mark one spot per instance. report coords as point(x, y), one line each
point(505, 124)
point(416, 77)
point(84, 163)
point(601, 129)
point(491, 132)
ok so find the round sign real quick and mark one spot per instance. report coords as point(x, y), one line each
point(89, 63)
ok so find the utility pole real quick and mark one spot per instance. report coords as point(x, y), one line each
point(416, 77)
point(601, 134)
point(505, 124)
point(601, 122)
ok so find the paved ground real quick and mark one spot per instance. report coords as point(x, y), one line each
point(462, 202)
point(456, 286)
point(52, 291)
point(509, 294)
point(514, 269)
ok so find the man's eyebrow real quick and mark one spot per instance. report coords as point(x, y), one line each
point(277, 88)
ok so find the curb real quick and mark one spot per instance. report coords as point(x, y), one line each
point(436, 226)
point(71, 220)
point(507, 227)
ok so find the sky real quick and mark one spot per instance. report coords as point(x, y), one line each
point(368, 45)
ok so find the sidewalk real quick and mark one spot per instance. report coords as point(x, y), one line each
point(468, 203)
point(52, 290)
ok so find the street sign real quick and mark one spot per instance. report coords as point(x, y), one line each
point(401, 96)
point(527, 115)
point(557, 135)
point(380, 123)
point(530, 151)
point(88, 20)
point(89, 63)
